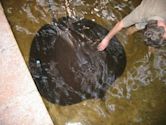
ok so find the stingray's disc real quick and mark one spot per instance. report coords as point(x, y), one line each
point(66, 66)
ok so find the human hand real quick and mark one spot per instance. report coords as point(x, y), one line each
point(104, 43)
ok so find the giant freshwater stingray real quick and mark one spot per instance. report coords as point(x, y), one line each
point(66, 66)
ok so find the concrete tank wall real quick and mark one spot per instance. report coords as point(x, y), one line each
point(20, 102)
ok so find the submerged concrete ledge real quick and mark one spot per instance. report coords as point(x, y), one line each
point(20, 102)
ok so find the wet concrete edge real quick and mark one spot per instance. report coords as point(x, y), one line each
point(20, 102)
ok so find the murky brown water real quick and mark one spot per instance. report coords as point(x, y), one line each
point(138, 97)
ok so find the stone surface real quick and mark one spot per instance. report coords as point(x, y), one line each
point(20, 102)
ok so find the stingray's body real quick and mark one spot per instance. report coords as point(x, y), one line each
point(66, 66)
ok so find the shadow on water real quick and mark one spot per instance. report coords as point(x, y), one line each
point(66, 66)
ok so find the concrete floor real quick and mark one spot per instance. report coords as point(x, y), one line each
point(20, 102)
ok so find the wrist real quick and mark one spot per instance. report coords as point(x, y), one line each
point(108, 37)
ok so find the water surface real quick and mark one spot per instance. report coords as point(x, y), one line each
point(138, 97)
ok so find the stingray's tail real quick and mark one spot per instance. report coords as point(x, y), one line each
point(52, 9)
point(69, 9)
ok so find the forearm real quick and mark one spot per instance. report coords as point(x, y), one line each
point(131, 30)
point(104, 43)
point(115, 30)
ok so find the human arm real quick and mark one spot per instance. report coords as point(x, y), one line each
point(131, 30)
point(134, 17)
point(104, 43)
